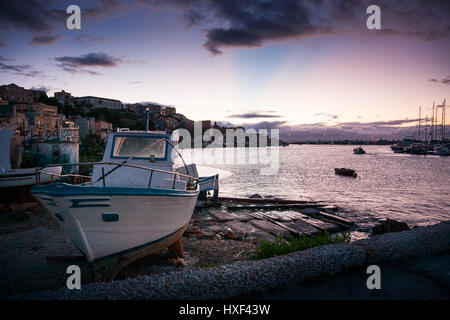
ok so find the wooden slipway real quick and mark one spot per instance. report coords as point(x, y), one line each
point(280, 217)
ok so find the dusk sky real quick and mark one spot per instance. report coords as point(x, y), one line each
point(282, 62)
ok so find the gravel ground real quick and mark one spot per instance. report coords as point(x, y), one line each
point(245, 278)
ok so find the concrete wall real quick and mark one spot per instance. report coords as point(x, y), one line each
point(55, 153)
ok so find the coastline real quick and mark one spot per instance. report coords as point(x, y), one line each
point(246, 278)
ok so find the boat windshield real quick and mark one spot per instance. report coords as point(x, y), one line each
point(141, 147)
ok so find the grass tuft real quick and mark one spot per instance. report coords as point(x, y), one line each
point(267, 249)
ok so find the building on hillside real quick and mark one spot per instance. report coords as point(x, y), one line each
point(155, 109)
point(98, 102)
point(86, 125)
point(63, 97)
point(10, 116)
point(103, 129)
point(169, 111)
point(68, 131)
point(37, 94)
point(14, 93)
point(42, 119)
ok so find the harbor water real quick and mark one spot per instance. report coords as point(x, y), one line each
point(410, 188)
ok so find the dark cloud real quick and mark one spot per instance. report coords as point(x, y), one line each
point(79, 63)
point(86, 39)
point(443, 81)
point(106, 8)
point(30, 15)
point(251, 115)
point(233, 23)
point(44, 40)
point(42, 17)
point(21, 70)
point(264, 125)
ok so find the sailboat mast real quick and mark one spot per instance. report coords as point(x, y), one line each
point(432, 124)
point(420, 110)
point(443, 121)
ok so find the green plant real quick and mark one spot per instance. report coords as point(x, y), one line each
point(91, 147)
point(266, 249)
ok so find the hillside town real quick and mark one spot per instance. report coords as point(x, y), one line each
point(66, 128)
point(56, 129)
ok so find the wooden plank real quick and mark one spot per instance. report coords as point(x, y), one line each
point(291, 230)
point(264, 200)
point(303, 227)
point(319, 224)
point(336, 218)
point(272, 206)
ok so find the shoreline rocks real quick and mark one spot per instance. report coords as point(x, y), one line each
point(388, 226)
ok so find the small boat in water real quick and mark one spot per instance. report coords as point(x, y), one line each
point(345, 172)
point(137, 202)
point(359, 150)
point(398, 148)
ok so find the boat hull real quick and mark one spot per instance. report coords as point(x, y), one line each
point(345, 172)
point(27, 177)
point(104, 222)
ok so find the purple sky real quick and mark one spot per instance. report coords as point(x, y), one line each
point(283, 63)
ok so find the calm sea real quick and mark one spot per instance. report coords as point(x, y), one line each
point(410, 188)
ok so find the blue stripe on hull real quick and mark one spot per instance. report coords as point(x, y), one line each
point(64, 189)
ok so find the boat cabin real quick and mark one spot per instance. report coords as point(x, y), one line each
point(150, 149)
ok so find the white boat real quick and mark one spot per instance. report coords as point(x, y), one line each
point(136, 203)
point(20, 177)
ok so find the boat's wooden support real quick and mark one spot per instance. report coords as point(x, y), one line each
point(104, 270)
point(177, 248)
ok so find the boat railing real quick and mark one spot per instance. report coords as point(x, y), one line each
point(192, 181)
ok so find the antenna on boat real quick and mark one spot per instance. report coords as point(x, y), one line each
point(147, 118)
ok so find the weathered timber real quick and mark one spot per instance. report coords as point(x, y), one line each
point(336, 218)
point(319, 224)
point(272, 228)
point(272, 206)
point(303, 227)
point(264, 216)
point(264, 200)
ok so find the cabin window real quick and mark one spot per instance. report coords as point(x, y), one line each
point(140, 147)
